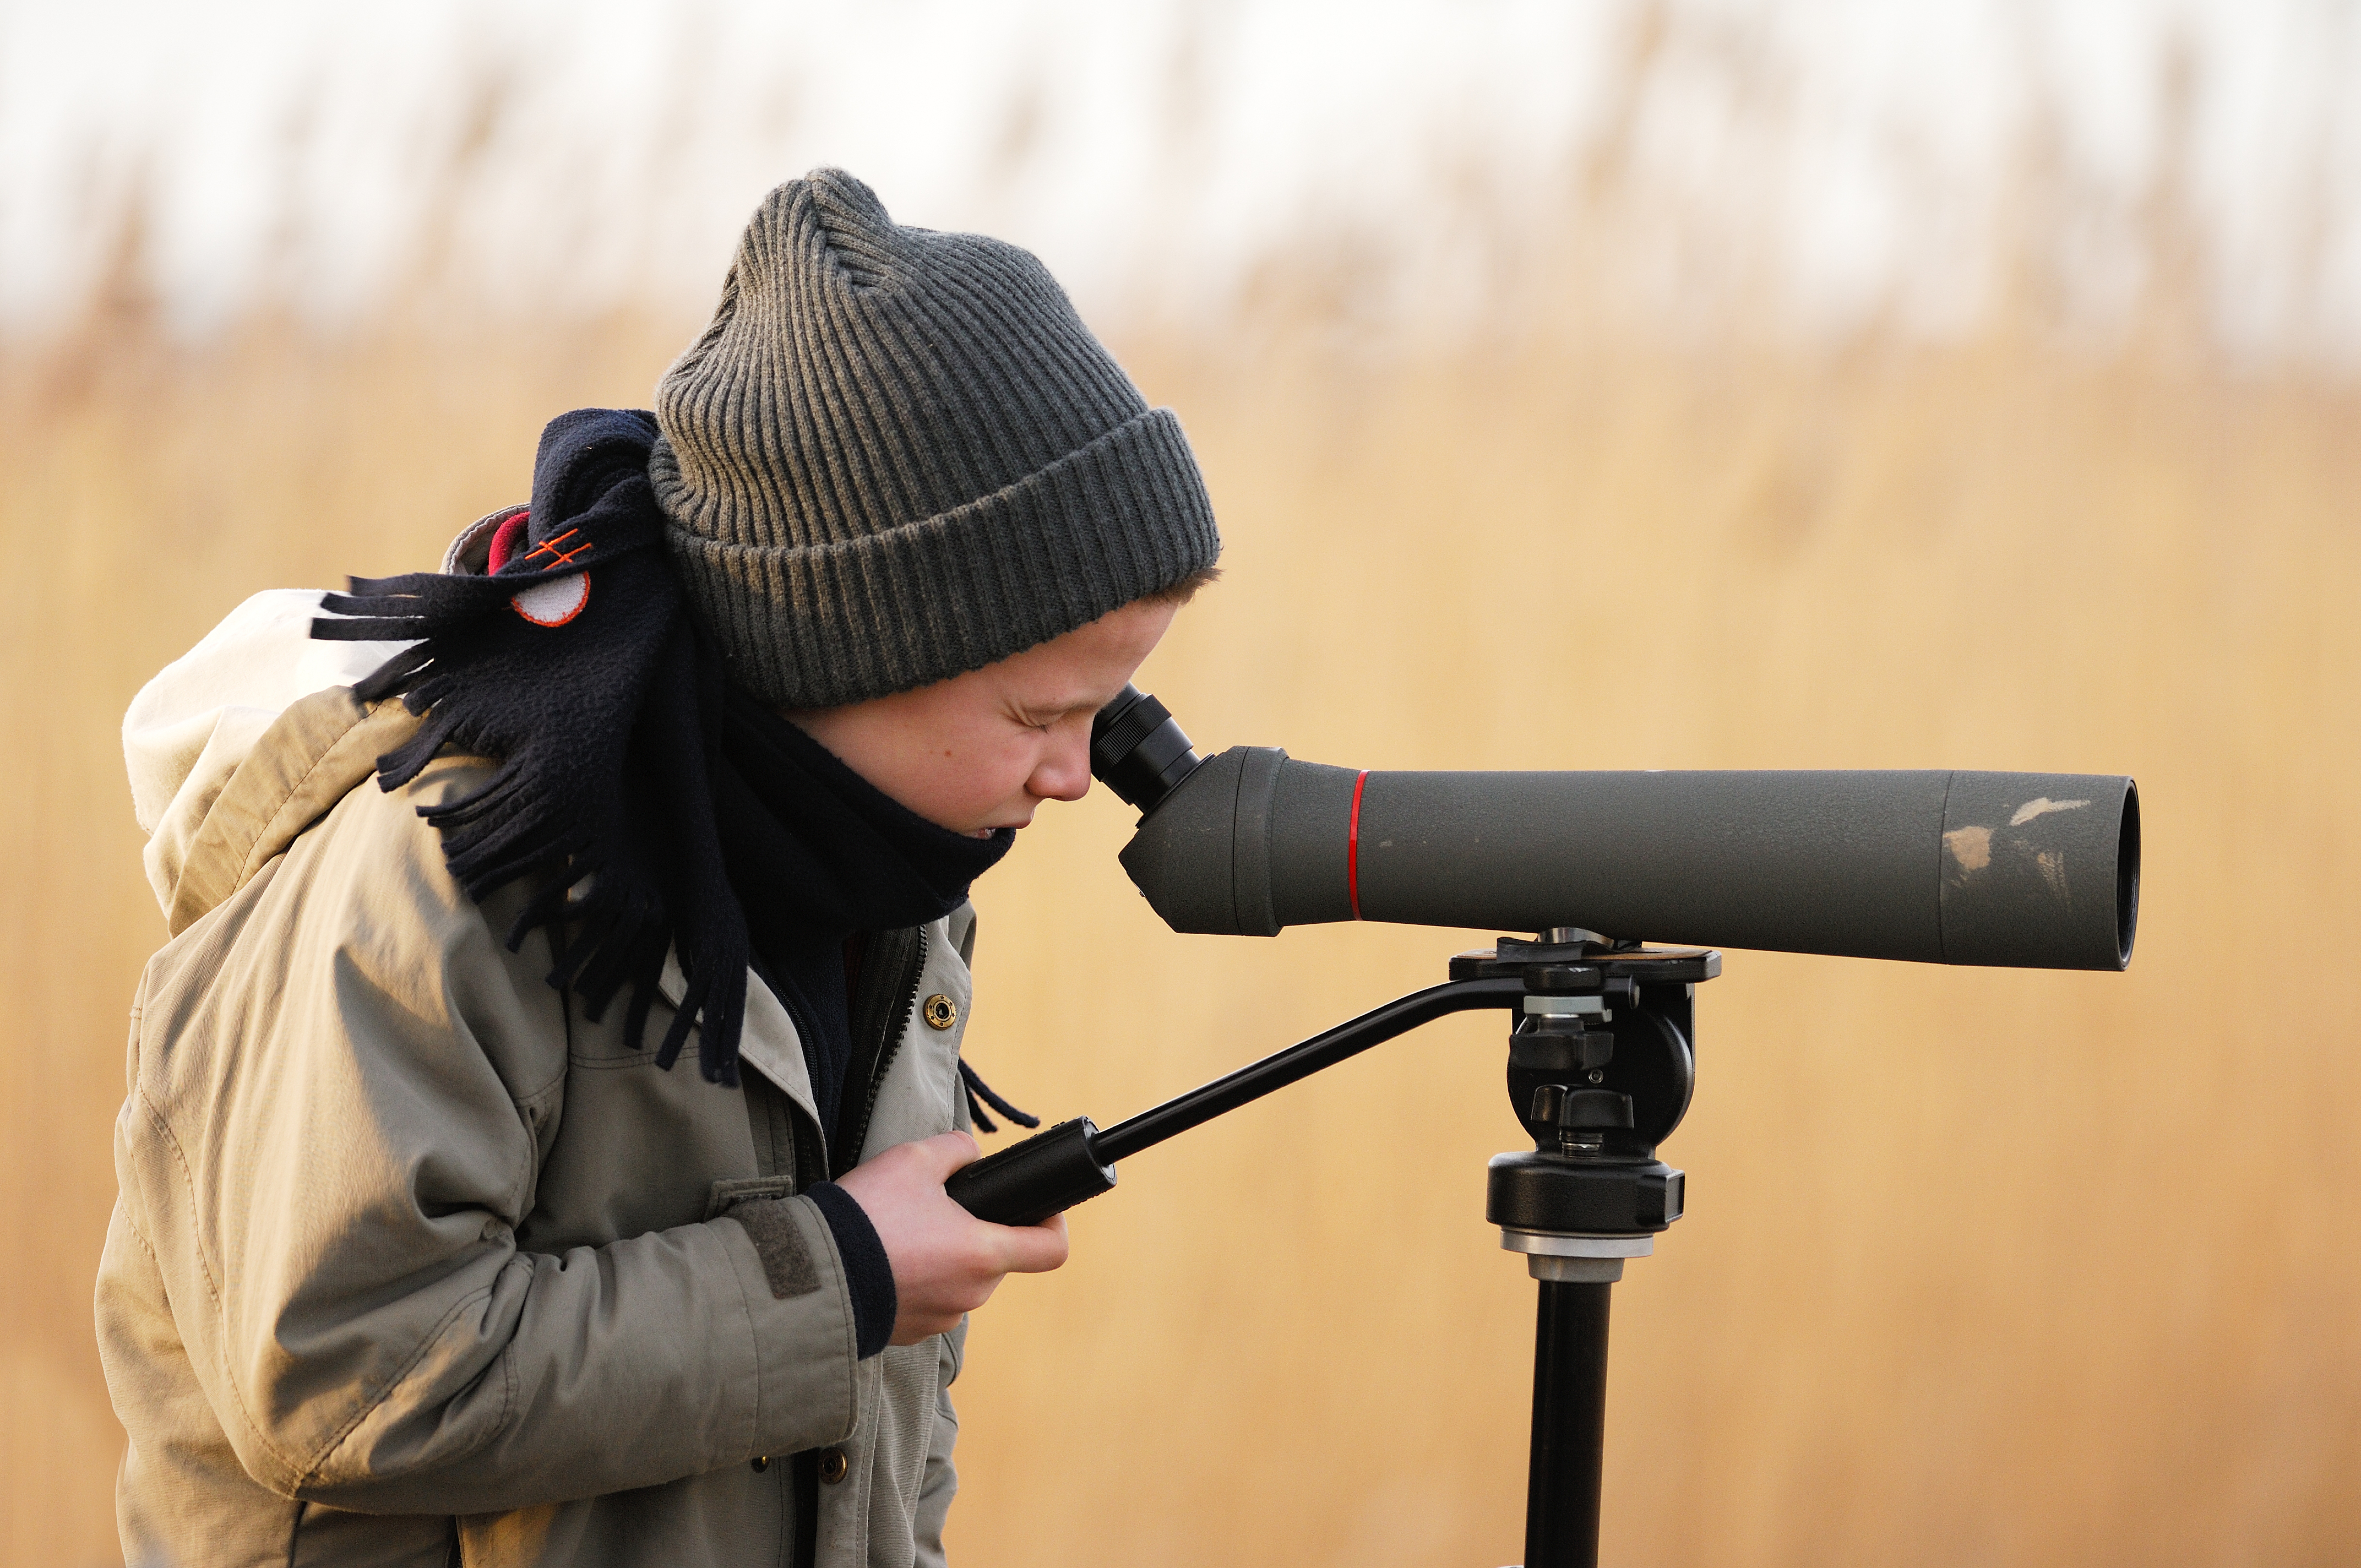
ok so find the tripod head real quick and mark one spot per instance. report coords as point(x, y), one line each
point(1600, 1070)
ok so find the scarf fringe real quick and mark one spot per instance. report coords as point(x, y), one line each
point(618, 880)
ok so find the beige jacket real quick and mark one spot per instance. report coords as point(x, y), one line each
point(414, 1264)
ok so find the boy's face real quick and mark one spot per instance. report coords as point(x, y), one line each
point(982, 750)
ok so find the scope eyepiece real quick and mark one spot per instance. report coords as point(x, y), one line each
point(1138, 750)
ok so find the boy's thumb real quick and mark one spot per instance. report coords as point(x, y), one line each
point(949, 1151)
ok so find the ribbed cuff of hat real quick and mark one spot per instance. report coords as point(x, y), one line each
point(861, 618)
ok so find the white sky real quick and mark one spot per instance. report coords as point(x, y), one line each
point(1865, 151)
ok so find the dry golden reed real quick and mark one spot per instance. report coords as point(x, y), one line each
point(1982, 1266)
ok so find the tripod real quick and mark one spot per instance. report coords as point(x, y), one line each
point(1589, 1196)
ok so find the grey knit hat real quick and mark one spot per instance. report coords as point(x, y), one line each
point(898, 455)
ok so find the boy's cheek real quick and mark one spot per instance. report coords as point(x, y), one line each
point(971, 794)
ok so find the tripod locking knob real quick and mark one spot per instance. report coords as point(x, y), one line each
point(1571, 1109)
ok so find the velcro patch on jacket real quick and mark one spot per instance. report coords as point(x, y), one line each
point(779, 1242)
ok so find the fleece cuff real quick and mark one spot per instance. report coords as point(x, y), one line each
point(868, 1273)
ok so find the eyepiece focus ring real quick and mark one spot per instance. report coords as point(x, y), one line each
point(1139, 751)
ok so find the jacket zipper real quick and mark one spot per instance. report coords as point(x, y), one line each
point(841, 1159)
point(803, 1469)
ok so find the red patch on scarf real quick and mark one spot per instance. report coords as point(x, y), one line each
point(507, 537)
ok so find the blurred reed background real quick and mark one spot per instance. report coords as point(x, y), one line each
point(1643, 430)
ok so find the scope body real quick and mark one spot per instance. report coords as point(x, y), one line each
point(2026, 870)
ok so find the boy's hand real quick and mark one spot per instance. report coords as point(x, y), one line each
point(946, 1261)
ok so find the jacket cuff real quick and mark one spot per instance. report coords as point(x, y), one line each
point(805, 1393)
point(868, 1272)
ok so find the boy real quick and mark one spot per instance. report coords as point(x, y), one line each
point(423, 1255)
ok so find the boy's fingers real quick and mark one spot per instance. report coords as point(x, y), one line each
point(1035, 1249)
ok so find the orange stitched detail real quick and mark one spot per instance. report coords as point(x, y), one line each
point(553, 549)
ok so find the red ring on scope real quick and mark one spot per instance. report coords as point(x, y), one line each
point(1353, 848)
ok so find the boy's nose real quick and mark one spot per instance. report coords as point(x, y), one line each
point(1065, 770)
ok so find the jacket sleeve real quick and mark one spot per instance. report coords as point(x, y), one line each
point(340, 1102)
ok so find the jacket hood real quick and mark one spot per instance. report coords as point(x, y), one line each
point(206, 715)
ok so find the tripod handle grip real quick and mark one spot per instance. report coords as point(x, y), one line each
point(1026, 1183)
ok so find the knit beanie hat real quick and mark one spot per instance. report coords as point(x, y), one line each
point(898, 455)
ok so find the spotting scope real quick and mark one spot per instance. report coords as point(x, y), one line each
point(2032, 871)
point(1581, 870)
